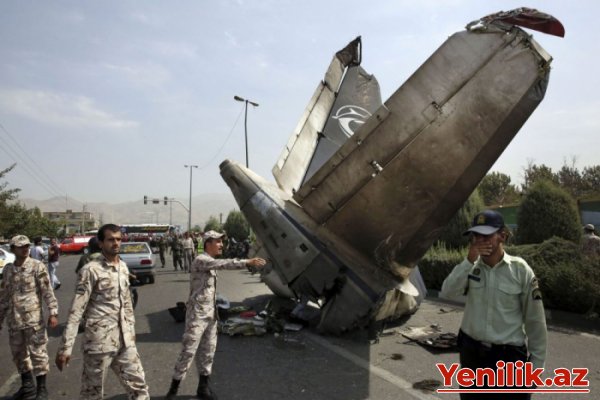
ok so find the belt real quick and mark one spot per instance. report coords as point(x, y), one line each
point(467, 341)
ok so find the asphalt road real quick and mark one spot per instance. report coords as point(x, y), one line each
point(302, 365)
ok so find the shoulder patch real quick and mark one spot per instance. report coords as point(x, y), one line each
point(536, 294)
point(535, 284)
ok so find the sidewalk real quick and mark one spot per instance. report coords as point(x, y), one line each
point(554, 318)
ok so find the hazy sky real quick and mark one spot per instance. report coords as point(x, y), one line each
point(107, 100)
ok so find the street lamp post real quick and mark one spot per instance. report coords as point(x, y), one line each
point(246, 101)
point(191, 167)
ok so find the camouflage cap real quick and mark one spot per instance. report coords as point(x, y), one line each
point(212, 235)
point(19, 240)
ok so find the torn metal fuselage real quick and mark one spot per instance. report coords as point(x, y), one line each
point(305, 258)
point(355, 209)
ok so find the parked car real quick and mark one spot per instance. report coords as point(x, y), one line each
point(75, 244)
point(139, 260)
point(6, 257)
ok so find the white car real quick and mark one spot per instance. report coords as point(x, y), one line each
point(139, 260)
point(6, 257)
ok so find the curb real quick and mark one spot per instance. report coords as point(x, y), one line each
point(554, 318)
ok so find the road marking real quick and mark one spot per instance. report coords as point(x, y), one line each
point(4, 389)
point(380, 372)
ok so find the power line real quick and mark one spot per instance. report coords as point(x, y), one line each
point(27, 167)
point(32, 175)
point(225, 142)
point(54, 184)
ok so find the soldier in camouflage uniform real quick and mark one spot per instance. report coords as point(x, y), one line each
point(177, 251)
point(109, 339)
point(25, 283)
point(162, 247)
point(201, 316)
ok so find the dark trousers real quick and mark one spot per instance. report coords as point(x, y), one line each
point(177, 260)
point(474, 354)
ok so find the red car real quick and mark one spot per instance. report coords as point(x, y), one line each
point(75, 244)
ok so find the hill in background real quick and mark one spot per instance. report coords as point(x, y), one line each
point(135, 212)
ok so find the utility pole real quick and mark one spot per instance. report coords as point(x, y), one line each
point(191, 167)
point(83, 219)
point(246, 101)
point(170, 210)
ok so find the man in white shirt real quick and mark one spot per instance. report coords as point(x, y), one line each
point(37, 251)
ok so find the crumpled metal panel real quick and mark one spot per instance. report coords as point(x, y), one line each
point(525, 17)
point(402, 178)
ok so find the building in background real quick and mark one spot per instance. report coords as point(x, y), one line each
point(73, 222)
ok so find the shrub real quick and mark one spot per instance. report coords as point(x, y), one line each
point(568, 281)
point(452, 235)
point(547, 211)
point(437, 263)
point(213, 224)
point(236, 226)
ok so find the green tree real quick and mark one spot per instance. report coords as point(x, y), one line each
point(452, 235)
point(571, 180)
point(6, 208)
point(547, 210)
point(7, 194)
point(236, 226)
point(19, 220)
point(496, 189)
point(16, 219)
point(213, 224)
point(534, 173)
point(591, 180)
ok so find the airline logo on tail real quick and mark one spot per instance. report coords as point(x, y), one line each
point(350, 118)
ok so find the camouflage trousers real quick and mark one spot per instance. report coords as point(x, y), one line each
point(200, 336)
point(28, 348)
point(126, 365)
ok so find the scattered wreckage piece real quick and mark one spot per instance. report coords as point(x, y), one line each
point(278, 316)
point(364, 188)
point(427, 385)
point(431, 337)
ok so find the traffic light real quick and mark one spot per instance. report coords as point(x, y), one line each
point(145, 199)
point(166, 200)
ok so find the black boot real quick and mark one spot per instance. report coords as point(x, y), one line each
point(204, 391)
point(27, 390)
point(173, 390)
point(42, 393)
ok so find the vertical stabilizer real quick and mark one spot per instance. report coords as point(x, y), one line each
point(341, 103)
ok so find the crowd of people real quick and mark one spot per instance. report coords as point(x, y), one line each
point(102, 296)
point(500, 289)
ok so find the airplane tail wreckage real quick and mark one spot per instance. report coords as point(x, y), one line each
point(364, 187)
